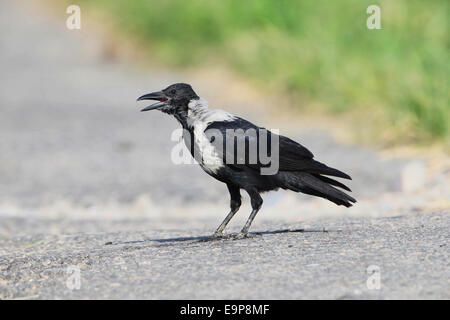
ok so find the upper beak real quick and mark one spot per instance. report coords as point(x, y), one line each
point(160, 96)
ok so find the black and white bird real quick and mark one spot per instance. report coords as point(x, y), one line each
point(296, 169)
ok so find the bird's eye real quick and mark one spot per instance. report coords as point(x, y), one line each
point(172, 91)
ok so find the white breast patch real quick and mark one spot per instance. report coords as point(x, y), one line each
point(199, 117)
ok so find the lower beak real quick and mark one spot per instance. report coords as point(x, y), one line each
point(160, 96)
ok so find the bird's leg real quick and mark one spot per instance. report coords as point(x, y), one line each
point(235, 204)
point(257, 202)
point(219, 231)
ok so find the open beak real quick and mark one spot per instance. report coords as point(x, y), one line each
point(160, 96)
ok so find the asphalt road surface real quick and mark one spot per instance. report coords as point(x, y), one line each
point(91, 205)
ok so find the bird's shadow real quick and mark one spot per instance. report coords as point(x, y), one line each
point(210, 238)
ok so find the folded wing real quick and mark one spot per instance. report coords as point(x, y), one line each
point(241, 143)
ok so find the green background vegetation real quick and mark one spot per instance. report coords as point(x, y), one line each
point(318, 50)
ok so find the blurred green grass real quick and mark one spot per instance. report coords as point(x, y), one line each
point(318, 50)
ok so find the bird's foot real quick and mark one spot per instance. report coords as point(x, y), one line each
point(241, 235)
point(218, 235)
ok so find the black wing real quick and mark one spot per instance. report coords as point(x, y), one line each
point(226, 136)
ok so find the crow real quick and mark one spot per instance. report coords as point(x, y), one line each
point(245, 156)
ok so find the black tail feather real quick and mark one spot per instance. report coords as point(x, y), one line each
point(318, 186)
point(320, 168)
point(332, 182)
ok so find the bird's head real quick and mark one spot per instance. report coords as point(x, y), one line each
point(173, 99)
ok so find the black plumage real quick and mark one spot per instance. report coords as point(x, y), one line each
point(232, 141)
